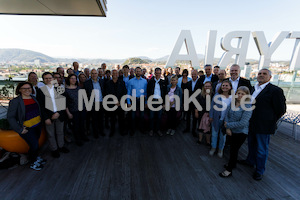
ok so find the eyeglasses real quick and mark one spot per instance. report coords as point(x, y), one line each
point(25, 88)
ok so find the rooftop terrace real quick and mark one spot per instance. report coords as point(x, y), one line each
point(143, 167)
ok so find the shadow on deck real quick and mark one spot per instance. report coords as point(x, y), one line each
point(144, 167)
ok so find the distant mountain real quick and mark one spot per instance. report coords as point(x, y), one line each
point(22, 55)
point(132, 61)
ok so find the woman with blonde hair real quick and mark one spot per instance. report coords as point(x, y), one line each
point(237, 126)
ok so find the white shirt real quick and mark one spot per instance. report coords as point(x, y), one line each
point(235, 84)
point(157, 92)
point(258, 89)
point(52, 95)
point(193, 84)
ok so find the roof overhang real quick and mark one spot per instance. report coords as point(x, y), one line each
point(54, 7)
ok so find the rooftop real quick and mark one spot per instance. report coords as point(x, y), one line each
point(143, 167)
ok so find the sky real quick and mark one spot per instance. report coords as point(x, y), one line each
point(150, 28)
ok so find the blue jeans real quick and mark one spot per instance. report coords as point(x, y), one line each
point(258, 149)
point(32, 139)
point(217, 133)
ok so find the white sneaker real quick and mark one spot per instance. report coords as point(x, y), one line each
point(220, 153)
point(212, 151)
point(36, 166)
point(169, 131)
point(172, 132)
point(41, 160)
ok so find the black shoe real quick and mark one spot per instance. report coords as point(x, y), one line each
point(194, 134)
point(199, 142)
point(102, 134)
point(186, 131)
point(257, 176)
point(226, 166)
point(225, 174)
point(55, 154)
point(245, 162)
point(111, 134)
point(79, 143)
point(64, 150)
point(85, 138)
point(131, 133)
point(96, 136)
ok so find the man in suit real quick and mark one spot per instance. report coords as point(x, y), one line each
point(270, 105)
point(158, 88)
point(97, 85)
point(125, 77)
point(53, 114)
point(221, 76)
point(192, 86)
point(117, 88)
point(236, 80)
point(209, 76)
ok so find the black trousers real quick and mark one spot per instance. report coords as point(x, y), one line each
point(190, 112)
point(97, 121)
point(120, 114)
point(78, 125)
point(172, 120)
point(237, 140)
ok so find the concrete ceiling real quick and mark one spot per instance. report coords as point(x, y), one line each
point(54, 7)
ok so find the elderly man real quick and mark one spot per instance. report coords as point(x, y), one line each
point(209, 76)
point(97, 115)
point(236, 80)
point(270, 105)
point(222, 77)
point(86, 71)
point(192, 86)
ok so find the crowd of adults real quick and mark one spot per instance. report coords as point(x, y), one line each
point(39, 105)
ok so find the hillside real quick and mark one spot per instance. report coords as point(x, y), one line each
point(21, 55)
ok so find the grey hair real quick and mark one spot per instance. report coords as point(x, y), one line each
point(270, 73)
point(235, 65)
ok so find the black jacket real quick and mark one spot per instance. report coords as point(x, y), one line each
point(214, 78)
point(118, 89)
point(88, 86)
point(151, 87)
point(269, 107)
point(16, 113)
point(45, 112)
point(245, 82)
point(121, 77)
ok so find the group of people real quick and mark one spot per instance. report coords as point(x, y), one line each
point(43, 105)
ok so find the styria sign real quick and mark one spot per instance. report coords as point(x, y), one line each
point(265, 49)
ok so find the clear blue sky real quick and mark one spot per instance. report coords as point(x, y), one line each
point(150, 28)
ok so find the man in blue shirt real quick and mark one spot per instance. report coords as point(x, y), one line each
point(97, 115)
point(137, 87)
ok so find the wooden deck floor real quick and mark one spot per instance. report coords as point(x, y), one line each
point(143, 167)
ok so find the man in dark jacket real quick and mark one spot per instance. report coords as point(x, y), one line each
point(53, 107)
point(117, 88)
point(236, 80)
point(270, 105)
point(97, 85)
point(192, 86)
point(209, 76)
point(156, 89)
